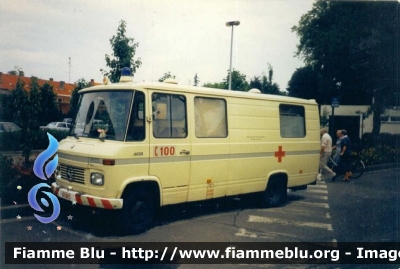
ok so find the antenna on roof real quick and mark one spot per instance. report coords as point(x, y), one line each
point(69, 70)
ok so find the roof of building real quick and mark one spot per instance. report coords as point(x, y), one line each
point(8, 82)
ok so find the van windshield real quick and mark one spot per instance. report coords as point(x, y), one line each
point(103, 115)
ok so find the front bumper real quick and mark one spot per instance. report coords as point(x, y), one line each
point(84, 199)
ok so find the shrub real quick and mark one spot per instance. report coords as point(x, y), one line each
point(7, 173)
point(379, 155)
point(10, 141)
point(13, 141)
point(381, 149)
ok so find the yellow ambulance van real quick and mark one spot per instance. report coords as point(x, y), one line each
point(135, 147)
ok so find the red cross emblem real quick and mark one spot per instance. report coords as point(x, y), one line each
point(280, 154)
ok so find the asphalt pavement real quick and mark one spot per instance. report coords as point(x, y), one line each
point(361, 210)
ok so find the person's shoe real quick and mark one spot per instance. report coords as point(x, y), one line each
point(319, 177)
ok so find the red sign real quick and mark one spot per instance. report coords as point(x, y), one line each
point(280, 154)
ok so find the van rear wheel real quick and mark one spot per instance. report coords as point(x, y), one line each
point(275, 193)
point(138, 211)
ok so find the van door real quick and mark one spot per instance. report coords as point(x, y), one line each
point(170, 145)
point(210, 148)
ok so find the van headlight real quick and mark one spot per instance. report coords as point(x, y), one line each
point(97, 179)
point(57, 172)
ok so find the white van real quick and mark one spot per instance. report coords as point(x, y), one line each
point(162, 144)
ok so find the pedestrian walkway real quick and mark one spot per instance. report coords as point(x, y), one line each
point(305, 217)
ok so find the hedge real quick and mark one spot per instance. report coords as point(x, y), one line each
point(13, 141)
point(381, 149)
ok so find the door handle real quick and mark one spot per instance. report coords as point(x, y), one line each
point(185, 152)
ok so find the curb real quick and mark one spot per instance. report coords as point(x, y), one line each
point(12, 211)
point(19, 153)
point(382, 166)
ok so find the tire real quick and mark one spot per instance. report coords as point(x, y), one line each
point(138, 211)
point(357, 168)
point(276, 192)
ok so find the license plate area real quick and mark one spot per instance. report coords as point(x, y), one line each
point(66, 195)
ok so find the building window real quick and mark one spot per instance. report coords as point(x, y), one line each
point(210, 117)
point(393, 119)
point(292, 121)
point(384, 118)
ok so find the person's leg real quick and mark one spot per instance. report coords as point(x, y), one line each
point(326, 171)
point(347, 166)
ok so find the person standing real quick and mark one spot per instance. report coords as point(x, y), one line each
point(325, 153)
point(345, 155)
point(336, 157)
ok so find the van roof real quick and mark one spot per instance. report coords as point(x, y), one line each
point(194, 89)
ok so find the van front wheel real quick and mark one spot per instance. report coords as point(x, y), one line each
point(275, 193)
point(138, 211)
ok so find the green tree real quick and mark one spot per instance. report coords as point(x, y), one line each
point(33, 108)
point(20, 104)
point(50, 111)
point(35, 104)
point(196, 80)
point(265, 83)
point(304, 84)
point(21, 117)
point(239, 82)
point(29, 111)
point(255, 83)
point(268, 86)
point(165, 76)
point(216, 85)
point(124, 49)
point(7, 106)
point(353, 44)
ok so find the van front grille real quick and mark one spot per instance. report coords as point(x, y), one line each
point(72, 174)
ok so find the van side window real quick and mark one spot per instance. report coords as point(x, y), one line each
point(169, 115)
point(136, 129)
point(292, 121)
point(210, 117)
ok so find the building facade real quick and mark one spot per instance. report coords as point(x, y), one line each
point(62, 89)
point(353, 119)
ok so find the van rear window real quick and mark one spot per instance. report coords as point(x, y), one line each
point(292, 121)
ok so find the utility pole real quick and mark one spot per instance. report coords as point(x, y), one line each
point(231, 24)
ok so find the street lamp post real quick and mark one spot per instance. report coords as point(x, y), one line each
point(231, 24)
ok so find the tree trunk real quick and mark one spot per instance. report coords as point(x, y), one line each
point(376, 121)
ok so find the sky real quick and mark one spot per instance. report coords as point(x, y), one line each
point(182, 37)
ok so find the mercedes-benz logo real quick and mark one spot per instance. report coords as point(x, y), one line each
point(70, 174)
